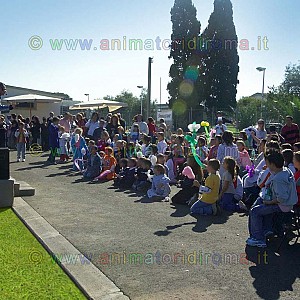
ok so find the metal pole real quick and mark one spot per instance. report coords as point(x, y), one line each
point(140, 87)
point(149, 87)
point(262, 94)
point(160, 94)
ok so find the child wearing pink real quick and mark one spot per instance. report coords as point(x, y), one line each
point(244, 155)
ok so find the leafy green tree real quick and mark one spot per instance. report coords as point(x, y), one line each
point(219, 68)
point(279, 104)
point(184, 70)
point(133, 105)
point(248, 109)
point(291, 83)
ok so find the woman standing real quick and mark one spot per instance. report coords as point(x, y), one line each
point(138, 120)
point(112, 126)
point(259, 134)
point(92, 124)
point(35, 130)
point(227, 148)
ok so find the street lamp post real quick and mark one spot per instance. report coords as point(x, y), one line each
point(140, 87)
point(150, 61)
point(261, 69)
point(88, 95)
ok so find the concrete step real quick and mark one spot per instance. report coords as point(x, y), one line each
point(24, 189)
point(16, 186)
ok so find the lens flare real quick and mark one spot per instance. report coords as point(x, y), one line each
point(186, 88)
point(191, 73)
point(179, 107)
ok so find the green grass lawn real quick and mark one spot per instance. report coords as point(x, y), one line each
point(27, 270)
point(232, 128)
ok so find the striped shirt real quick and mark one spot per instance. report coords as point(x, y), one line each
point(290, 133)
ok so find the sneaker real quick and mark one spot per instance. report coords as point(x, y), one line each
point(269, 234)
point(192, 200)
point(256, 243)
point(23, 159)
point(167, 199)
point(242, 206)
point(214, 209)
point(18, 160)
point(94, 181)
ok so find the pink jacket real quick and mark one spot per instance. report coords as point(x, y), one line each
point(245, 159)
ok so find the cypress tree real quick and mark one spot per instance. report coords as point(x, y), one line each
point(184, 70)
point(217, 83)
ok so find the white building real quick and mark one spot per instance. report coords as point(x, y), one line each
point(40, 108)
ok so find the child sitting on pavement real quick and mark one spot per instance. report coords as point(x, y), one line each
point(229, 178)
point(93, 164)
point(188, 190)
point(128, 179)
point(109, 165)
point(283, 196)
point(160, 189)
point(123, 170)
point(142, 182)
point(207, 203)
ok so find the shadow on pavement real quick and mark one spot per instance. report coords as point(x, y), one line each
point(201, 223)
point(144, 199)
point(180, 210)
point(169, 229)
point(274, 273)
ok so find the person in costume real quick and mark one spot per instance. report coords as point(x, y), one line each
point(79, 149)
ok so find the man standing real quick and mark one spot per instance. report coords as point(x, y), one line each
point(220, 127)
point(53, 140)
point(224, 120)
point(290, 131)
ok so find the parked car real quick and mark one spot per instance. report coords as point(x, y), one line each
point(277, 125)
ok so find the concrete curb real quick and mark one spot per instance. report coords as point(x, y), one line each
point(93, 283)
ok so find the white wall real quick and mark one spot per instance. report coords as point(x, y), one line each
point(39, 109)
point(42, 110)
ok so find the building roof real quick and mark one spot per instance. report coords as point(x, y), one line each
point(38, 92)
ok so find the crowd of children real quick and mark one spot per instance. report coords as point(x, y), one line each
point(259, 174)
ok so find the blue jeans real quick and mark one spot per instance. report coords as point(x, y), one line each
point(261, 219)
point(201, 208)
point(21, 150)
point(228, 202)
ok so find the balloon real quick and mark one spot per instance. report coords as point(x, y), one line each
point(153, 160)
point(193, 127)
point(76, 137)
point(250, 170)
point(65, 135)
point(205, 124)
point(83, 151)
point(139, 154)
point(193, 142)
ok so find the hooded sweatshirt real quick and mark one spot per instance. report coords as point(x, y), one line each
point(160, 184)
point(283, 188)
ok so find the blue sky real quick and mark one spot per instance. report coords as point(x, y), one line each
point(101, 73)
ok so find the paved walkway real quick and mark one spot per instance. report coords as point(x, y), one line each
point(156, 250)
